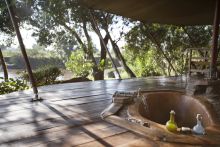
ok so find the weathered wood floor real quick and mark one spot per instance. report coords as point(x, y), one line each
point(69, 115)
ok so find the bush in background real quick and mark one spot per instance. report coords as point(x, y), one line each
point(12, 85)
point(80, 66)
point(145, 63)
point(17, 62)
point(38, 57)
point(44, 75)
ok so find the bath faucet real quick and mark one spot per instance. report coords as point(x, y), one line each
point(143, 98)
point(140, 96)
point(138, 92)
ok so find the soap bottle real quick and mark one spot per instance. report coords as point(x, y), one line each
point(171, 124)
point(198, 128)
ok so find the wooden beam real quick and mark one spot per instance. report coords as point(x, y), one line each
point(23, 50)
point(214, 51)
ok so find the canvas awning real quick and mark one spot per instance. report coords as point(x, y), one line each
point(177, 12)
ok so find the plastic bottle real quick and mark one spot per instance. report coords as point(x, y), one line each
point(198, 128)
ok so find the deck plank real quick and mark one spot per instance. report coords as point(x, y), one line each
point(72, 136)
point(125, 138)
point(69, 115)
point(78, 114)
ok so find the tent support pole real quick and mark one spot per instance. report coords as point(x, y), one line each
point(214, 51)
point(24, 53)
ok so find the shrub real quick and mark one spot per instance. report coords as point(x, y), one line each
point(44, 75)
point(12, 85)
point(145, 63)
point(80, 66)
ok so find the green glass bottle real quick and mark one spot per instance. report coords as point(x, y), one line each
point(171, 124)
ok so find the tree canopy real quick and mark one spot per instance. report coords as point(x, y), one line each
point(167, 44)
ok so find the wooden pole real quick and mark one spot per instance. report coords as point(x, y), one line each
point(20, 40)
point(214, 51)
point(4, 66)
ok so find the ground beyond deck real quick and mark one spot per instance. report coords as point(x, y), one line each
point(69, 115)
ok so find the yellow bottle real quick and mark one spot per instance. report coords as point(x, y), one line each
point(171, 124)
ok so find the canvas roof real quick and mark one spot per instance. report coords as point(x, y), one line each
point(177, 12)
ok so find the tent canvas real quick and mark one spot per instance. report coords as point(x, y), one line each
point(177, 12)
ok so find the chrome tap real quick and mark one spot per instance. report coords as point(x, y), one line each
point(139, 92)
point(143, 99)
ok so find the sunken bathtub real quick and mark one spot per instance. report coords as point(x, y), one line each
point(147, 113)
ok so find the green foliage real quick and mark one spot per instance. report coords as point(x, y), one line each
point(68, 25)
point(144, 64)
point(44, 75)
point(23, 10)
point(169, 43)
point(65, 43)
point(80, 66)
point(12, 85)
point(104, 64)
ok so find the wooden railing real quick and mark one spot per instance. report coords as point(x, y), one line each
point(199, 61)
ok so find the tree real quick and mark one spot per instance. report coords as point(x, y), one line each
point(6, 27)
point(55, 17)
point(107, 19)
point(169, 42)
point(78, 65)
point(22, 11)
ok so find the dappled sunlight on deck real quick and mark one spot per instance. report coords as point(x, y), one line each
point(69, 115)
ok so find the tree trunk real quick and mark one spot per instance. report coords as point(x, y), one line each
point(102, 41)
point(4, 67)
point(117, 51)
point(97, 73)
point(89, 44)
point(102, 61)
point(120, 57)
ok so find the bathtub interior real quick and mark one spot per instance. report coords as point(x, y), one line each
point(159, 105)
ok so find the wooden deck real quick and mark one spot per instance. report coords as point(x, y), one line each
point(69, 115)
